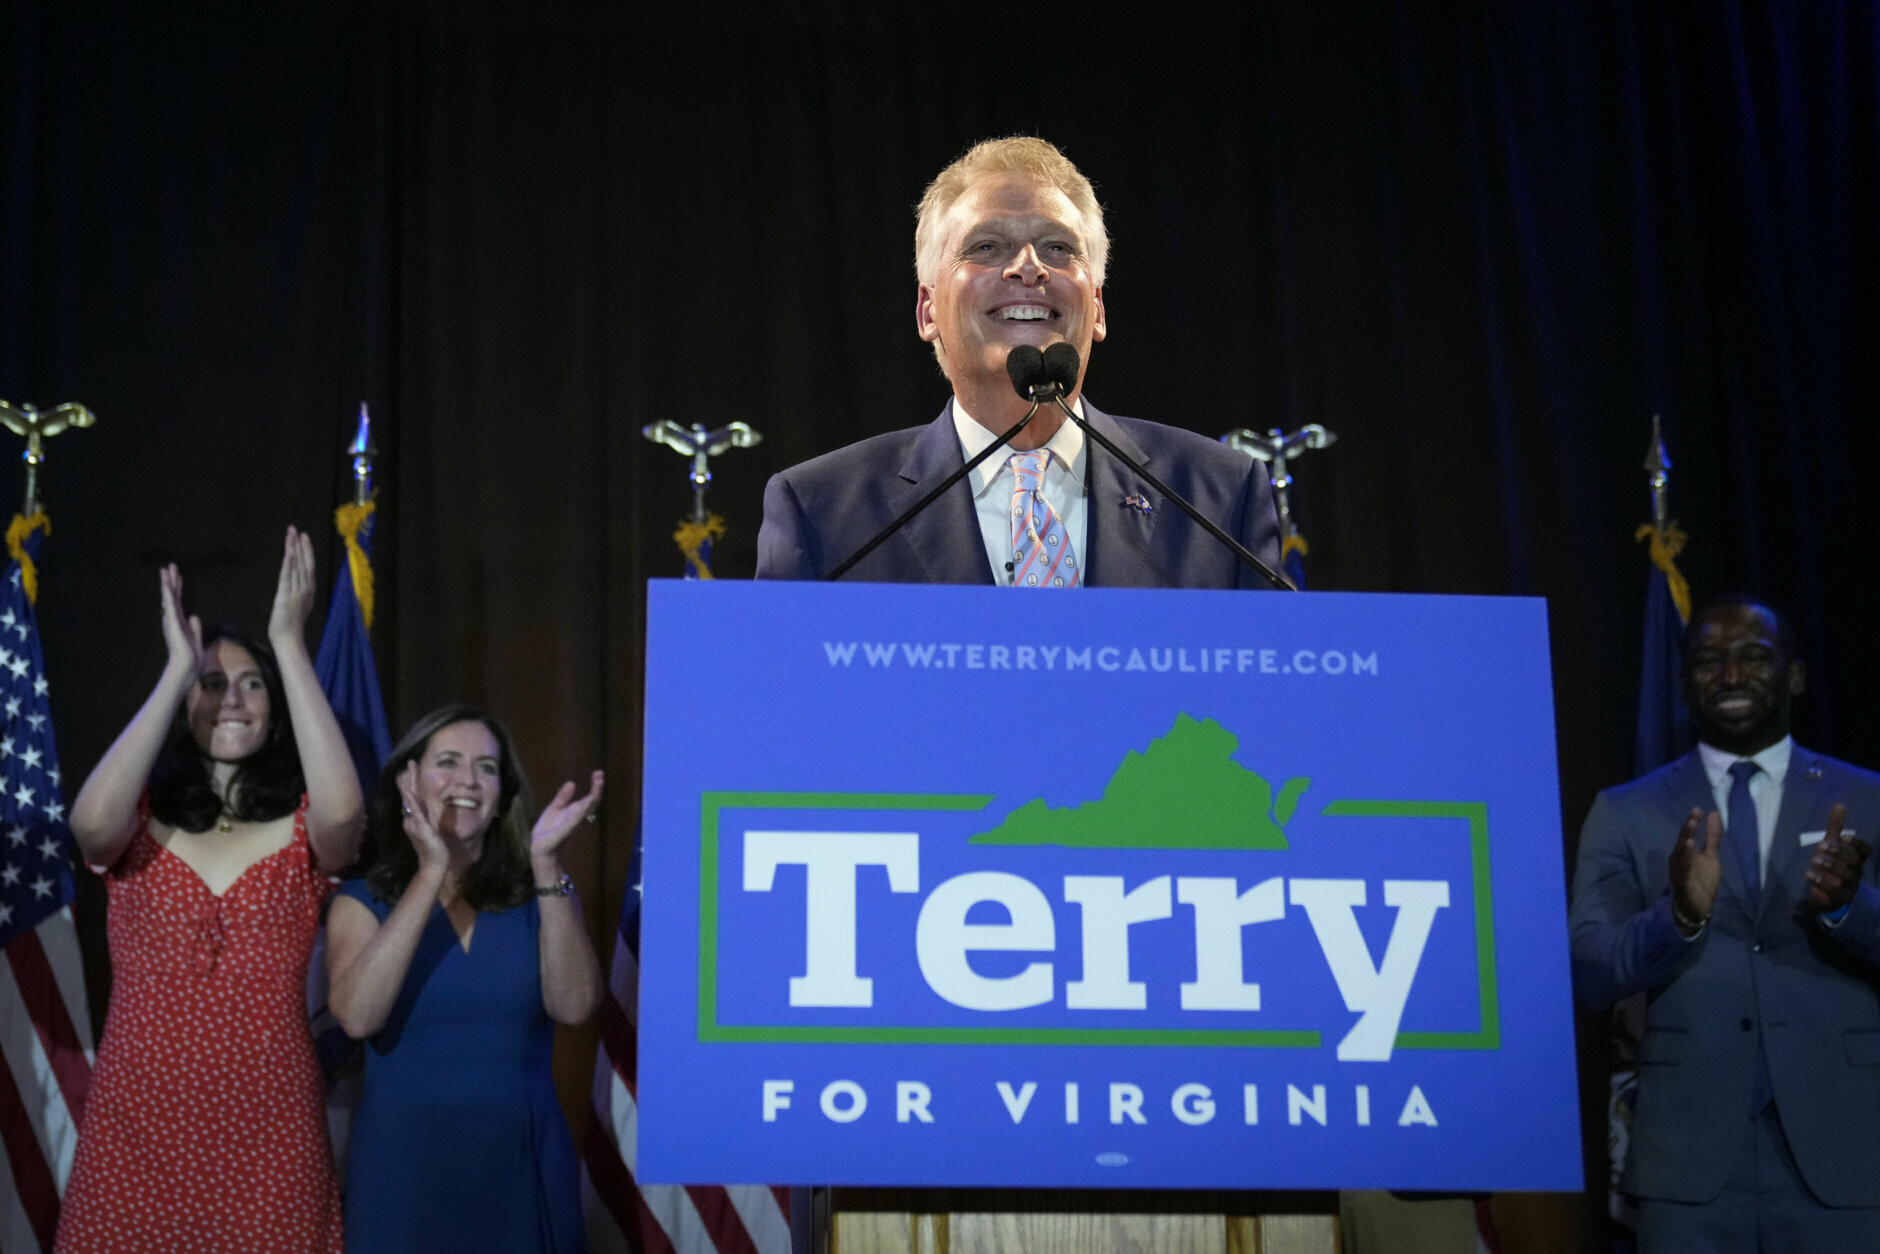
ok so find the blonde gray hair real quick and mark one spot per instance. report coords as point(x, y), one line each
point(1015, 154)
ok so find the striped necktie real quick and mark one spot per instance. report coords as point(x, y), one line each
point(1041, 548)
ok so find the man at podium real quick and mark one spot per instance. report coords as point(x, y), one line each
point(1010, 251)
point(1732, 886)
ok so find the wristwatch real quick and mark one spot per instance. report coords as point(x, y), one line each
point(562, 887)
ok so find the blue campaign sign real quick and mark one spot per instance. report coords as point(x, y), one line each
point(969, 886)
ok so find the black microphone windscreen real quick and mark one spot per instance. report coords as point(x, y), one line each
point(1060, 365)
point(1025, 365)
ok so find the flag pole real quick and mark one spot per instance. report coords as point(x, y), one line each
point(1660, 734)
point(362, 452)
point(1279, 449)
point(344, 662)
point(349, 676)
point(621, 1214)
point(1658, 472)
point(696, 534)
point(38, 426)
point(1666, 536)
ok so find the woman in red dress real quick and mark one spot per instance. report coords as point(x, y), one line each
point(216, 819)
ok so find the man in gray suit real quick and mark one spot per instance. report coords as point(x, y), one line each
point(1733, 888)
point(1010, 249)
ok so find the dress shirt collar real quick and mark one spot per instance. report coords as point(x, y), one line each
point(1774, 761)
point(1067, 448)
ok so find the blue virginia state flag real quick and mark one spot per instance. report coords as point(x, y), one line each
point(695, 541)
point(1664, 722)
point(347, 671)
point(1663, 733)
point(1292, 558)
point(350, 678)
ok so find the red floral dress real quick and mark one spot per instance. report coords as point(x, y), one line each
point(205, 1132)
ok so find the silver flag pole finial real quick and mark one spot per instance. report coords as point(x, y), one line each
point(1658, 467)
point(1277, 449)
point(701, 446)
point(37, 426)
point(362, 452)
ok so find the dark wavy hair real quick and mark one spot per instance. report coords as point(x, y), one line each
point(266, 785)
point(501, 879)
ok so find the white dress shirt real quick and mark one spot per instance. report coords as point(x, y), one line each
point(1765, 789)
point(992, 483)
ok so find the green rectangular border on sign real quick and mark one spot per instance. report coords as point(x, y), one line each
point(711, 804)
point(1488, 1036)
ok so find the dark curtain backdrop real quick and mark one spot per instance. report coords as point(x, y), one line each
point(1484, 242)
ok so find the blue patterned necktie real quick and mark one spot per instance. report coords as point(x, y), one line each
point(1744, 829)
point(1041, 548)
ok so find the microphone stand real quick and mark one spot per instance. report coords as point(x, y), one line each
point(1279, 581)
point(1010, 434)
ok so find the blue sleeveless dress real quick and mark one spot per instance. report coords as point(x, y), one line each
point(460, 1143)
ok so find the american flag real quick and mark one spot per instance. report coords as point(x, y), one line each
point(45, 1028)
point(621, 1215)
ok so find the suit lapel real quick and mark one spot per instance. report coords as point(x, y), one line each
point(1804, 802)
point(1690, 786)
point(945, 538)
point(1118, 534)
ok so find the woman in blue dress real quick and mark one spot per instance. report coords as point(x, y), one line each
point(453, 959)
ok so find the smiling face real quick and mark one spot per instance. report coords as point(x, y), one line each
point(1739, 679)
point(229, 710)
point(460, 771)
point(1014, 268)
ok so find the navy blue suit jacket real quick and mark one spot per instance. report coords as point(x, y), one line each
point(818, 513)
point(1763, 966)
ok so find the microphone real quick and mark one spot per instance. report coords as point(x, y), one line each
point(1026, 367)
point(1058, 364)
point(1041, 376)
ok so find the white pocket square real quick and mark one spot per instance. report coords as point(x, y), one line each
point(1815, 838)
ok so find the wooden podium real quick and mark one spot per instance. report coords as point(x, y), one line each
point(1074, 1221)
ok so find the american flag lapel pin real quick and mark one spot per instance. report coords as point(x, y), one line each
point(1140, 504)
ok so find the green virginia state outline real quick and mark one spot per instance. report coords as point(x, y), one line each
point(1185, 792)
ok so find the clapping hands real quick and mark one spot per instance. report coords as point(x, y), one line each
point(1834, 873)
point(563, 813)
point(182, 633)
point(421, 820)
point(1696, 872)
point(293, 594)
